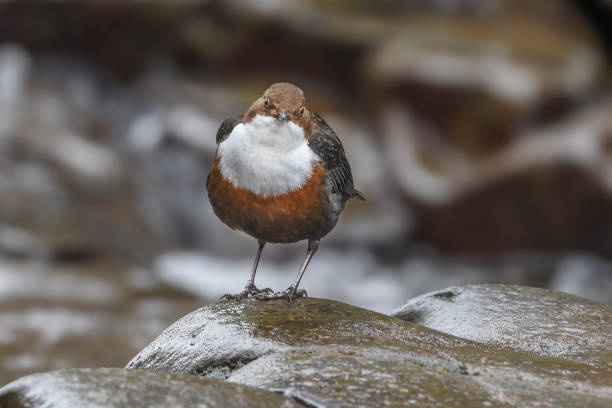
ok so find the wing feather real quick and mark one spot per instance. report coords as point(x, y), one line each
point(226, 128)
point(325, 143)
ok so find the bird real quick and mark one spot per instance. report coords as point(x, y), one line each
point(281, 175)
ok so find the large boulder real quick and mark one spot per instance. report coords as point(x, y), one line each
point(326, 353)
point(115, 387)
point(528, 319)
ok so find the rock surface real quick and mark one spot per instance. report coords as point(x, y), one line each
point(115, 387)
point(528, 319)
point(326, 353)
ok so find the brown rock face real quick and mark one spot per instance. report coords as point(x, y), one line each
point(549, 208)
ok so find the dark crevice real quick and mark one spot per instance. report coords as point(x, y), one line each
point(412, 316)
point(599, 15)
point(305, 403)
point(448, 295)
point(298, 399)
point(224, 371)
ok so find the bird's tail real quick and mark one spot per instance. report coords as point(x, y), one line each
point(357, 194)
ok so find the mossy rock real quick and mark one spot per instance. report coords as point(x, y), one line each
point(116, 387)
point(327, 353)
point(535, 320)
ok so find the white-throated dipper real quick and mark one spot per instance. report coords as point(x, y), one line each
point(280, 175)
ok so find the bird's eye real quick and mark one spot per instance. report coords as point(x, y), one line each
point(301, 111)
point(266, 100)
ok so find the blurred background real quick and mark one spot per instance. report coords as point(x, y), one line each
point(479, 130)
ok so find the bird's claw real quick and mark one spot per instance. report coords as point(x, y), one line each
point(290, 293)
point(250, 290)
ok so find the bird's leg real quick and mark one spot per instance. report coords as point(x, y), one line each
point(292, 291)
point(250, 289)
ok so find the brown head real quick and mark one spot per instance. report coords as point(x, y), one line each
point(283, 101)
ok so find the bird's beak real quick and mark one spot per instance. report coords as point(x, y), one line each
point(282, 116)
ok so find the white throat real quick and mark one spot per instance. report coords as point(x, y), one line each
point(266, 156)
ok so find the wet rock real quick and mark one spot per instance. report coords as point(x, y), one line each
point(520, 188)
point(489, 113)
point(475, 81)
point(14, 66)
point(15, 241)
point(480, 59)
point(114, 387)
point(534, 320)
point(326, 353)
point(69, 194)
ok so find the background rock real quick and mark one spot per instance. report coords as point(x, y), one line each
point(503, 100)
point(93, 313)
point(528, 319)
point(114, 387)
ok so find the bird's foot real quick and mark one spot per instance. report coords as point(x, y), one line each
point(290, 293)
point(250, 290)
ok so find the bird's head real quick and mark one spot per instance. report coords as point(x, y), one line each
point(285, 103)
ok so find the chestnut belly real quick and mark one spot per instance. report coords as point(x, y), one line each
point(291, 217)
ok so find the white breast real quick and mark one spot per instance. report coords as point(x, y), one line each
point(266, 156)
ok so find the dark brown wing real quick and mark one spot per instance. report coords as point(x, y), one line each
point(224, 131)
point(226, 128)
point(325, 143)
